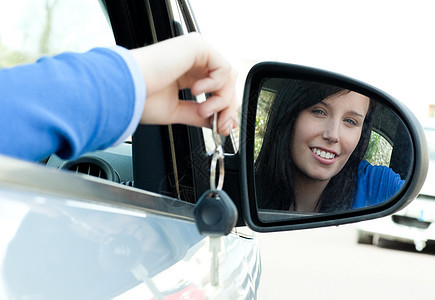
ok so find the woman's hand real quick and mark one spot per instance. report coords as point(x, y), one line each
point(187, 62)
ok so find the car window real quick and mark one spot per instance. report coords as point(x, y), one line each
point(231, 142)
point(379, 150)
point(30, 29)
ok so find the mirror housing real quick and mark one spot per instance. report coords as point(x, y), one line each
point(277, 222)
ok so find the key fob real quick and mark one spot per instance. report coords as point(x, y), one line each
point(215, 213)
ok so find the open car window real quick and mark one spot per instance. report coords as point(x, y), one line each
point(30, 29)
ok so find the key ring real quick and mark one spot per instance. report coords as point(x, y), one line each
point(217, 155)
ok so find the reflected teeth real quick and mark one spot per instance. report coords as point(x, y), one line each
point(323, 154)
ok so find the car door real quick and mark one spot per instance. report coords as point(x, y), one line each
point(75, 236)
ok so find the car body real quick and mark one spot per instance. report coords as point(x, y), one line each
point(66, 233)
point(96, 249)
point(413, 224)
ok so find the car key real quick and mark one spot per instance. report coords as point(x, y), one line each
point(215, 249)
point(215, 213)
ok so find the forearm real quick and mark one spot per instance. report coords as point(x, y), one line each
point(69, 104)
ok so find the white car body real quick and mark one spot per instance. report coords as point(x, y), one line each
point(64, 236)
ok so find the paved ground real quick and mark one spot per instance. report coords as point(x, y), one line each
point(327, 263)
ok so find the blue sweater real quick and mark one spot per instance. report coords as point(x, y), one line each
point(70, 104)
point(375, 184)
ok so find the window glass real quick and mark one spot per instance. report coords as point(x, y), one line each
point(33, 28)
point(379, 150)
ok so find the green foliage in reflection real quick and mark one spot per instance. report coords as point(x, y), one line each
point(265, 100)
point(379, 150)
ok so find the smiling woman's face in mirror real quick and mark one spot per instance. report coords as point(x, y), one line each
point(323, 139)
point(322, 148)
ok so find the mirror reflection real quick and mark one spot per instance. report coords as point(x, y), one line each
point(321, 149)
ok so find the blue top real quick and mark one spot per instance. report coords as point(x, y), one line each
point(375, 184)
point(70, 104)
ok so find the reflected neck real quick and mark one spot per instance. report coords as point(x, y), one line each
point(307, 193)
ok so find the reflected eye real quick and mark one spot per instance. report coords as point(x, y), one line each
point(351, 122)
point(318, 111)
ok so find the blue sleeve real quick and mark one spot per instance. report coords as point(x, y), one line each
point(375, 184)
point(69, 104)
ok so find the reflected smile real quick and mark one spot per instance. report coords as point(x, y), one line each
point(323, 154)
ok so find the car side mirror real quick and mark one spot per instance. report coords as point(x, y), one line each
point(319, 149)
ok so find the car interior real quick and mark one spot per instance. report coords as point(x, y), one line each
point(169, 160)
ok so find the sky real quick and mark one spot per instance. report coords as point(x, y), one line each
point(388, 44)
